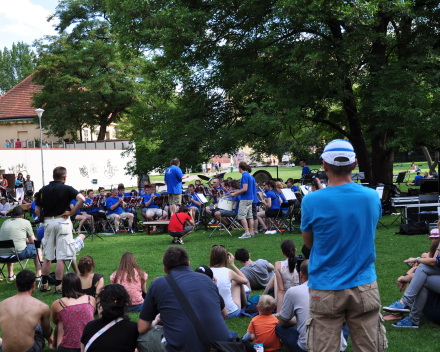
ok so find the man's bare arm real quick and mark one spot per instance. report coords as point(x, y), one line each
point(144, 326)
point(46, 327)
point(308, 239)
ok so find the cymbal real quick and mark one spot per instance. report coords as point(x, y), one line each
point(203, 177)
point(159, 184)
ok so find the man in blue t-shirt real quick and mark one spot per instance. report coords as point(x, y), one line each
point(152, 210)
point(339, 224)
point(416, 180)
point(305, 169)
point(116, 212)
point(246, 193)
point(194, 206)
point(202, 295)
point(173, 180)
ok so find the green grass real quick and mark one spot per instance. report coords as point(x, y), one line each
point(391, 251)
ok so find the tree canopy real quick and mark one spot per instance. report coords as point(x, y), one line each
point(249, 71)
point(15, 65)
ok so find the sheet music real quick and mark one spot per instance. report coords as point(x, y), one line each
point(288, 194)
point(306, 189)
point(380, 191)
point(202, 198)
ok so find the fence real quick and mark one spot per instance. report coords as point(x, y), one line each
point(108, 144)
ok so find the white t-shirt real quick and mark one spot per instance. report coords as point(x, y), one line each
point(224, 288)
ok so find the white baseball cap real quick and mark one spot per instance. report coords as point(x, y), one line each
point(339, 148)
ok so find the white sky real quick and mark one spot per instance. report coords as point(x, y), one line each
point(25, 21)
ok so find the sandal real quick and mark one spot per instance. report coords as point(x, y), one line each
point(392, 316)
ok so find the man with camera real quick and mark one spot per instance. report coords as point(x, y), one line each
point(339, 224)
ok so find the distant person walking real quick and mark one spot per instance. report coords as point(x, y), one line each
point(18, 143)
point(204, 168)
point(7, 143)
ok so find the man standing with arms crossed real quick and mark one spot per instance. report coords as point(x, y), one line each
point(338, 224)
point(173, 180)
point(246, 193)
point(54, 200)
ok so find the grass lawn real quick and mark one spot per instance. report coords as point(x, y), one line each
point(391, 251)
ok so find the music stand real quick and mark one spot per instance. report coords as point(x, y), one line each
point(358, 176)
point(220, 225)
point(400, 178)
point(380, 193)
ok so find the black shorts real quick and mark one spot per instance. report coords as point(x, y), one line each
point(254, 211)
point(98, 215)
point(271, 213)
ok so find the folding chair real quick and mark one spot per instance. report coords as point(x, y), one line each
point(67, 266)
point(10, 259)
point(275, 220)
point(285, 217)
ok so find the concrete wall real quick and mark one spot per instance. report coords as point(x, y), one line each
point(107, 166)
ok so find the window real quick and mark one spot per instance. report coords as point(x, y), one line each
point(86, 135)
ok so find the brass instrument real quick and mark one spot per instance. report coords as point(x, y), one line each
point(221, 194)
point(261, 198)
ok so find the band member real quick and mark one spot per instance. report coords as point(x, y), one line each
point(153, 210)
point(96, 212)
point(3, 185)
point(305, 169)
point(246, 194)
point(224, 214)
point(122, 194)
point(272, 202)
point(142, 191)
point(194, 206)
point(173, 180)
point(225, 185)
point(197, 183)
point(115, 211)
point(290, 184)
point(216, 187)
point(80, 215)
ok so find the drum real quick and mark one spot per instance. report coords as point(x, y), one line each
point(139, 201)
point(206, 191)
point(133, 193)
point(95, 201)
point(227, 204)
point(158, 200)
point(101, 200)
point(132, 203)
point(199, 189)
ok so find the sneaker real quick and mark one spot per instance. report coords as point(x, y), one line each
point(38, 278)
point(10, 279)
point(245, 235)
point(57, 290)
point(255, 233)
point(397, 307)
point(174, 241)
point(179, 241)
point(130, 231)
point(116, 232)
point(45, 288)
point(212, 222)
point(270, 232)
point(405, 323)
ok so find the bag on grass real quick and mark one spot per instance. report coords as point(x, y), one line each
point(414, 228)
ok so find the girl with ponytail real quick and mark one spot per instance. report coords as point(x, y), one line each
point(286, 275)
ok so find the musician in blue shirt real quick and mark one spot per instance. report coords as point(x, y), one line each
point(194, 206)
point(216, 187)
point(273, 203)
point(222, 213)
point(173, 180)
point(290, 184)
point(305, 169)
point(152, 210)
point(115, 211)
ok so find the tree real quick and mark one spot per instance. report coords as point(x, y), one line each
point(15, 65)
point(87, 82)
point(366, 71)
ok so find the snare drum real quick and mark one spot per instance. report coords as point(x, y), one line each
point(186, 198)
point(227, 204)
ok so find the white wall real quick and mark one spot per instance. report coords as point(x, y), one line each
point(107, 166)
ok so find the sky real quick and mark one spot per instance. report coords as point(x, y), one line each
point(25, 21)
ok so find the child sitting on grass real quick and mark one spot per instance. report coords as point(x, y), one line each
point(262, 327)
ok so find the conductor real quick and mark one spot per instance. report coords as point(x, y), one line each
point(54, 200)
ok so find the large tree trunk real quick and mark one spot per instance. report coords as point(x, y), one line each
point(383, 159)
point(102, 130)
point(431, 165)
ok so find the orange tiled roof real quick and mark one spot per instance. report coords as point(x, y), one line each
point(16, 103)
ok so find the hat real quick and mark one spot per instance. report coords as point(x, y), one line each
point(434, 233)
point(339, 148)
point(2, 198)
point(203, 269)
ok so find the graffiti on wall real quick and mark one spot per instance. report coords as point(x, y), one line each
point(83, 171)
point(109, 170)
point(17, 169)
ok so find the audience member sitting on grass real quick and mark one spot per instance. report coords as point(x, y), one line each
point(258, 273)
point(91, 283)
point(24, 320)
point(19, 230)
point(416, 180)
point(204, 269)
point(286, 275)
point(426, 277)
point(133, 278)
point(161, 307)
point(414, 168)
point(177, 228)
point(230, 283)
point(113, 302)
point(26, 200)
point(261, 330)
point(295, 311)
point(74, 311)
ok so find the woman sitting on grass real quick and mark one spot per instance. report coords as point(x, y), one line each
point(133, 278)
point(286, 275)
point(74, 311)
point(113, 303)
point(232, 293)
point(91, 283)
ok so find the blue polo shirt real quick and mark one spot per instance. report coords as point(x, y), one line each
point(196, 198)
point(110, 202)
point(250, 181)
point(215, 198)
point(255, 192)
point(202, 295)
point(275, 200)
point(173, 178)
point(90, 210)
point(33, 210)
point(295, 189)
point(305, 170)
point(343, 220)
point(417, 180)
point(147, 197)
point(74, 203)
